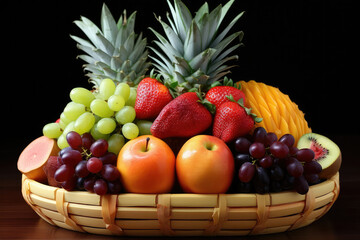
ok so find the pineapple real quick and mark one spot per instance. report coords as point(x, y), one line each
point(280, 115)
point(194, 51)
point(115, 51)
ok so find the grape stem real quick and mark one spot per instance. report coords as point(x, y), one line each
point(147, 143)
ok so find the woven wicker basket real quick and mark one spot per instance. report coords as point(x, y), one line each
point(180, 214)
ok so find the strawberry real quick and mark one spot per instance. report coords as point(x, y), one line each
point(217, 95)
point(233, 120)
point(151, 98)
point(184, 116)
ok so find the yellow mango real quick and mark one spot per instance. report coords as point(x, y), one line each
point(280, 115)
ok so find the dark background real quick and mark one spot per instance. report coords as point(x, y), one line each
point(303, 47)
point(306, 48)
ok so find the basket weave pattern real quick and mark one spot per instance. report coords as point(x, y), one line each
point(180, 214)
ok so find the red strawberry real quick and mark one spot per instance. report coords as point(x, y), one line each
point(233, 120)
point(151, 98)
point(184, 116)
point(217, 95)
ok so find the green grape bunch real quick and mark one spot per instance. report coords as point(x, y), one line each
point(106, 113)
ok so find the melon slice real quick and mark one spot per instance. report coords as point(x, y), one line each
point(35, 155)
point(327, 153)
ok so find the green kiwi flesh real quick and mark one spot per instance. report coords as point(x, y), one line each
point(327, 153)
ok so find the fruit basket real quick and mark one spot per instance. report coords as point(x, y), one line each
point(242, 153)
point(180, 214)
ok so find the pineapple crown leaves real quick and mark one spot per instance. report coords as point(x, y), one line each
point(194, 51)
point(227, 82)
point(247, 110)
point(114, 51)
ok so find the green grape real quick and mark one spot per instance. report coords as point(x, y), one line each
point(106, 88)
point(97, 118)
point(106, 125)
point(61, 142)
point(97, 95)
point(116, 142)
point(52, 130)
point(132, 97)
point(125, 115)
point(73, 110)
point(144, 127)
point(116, 102)
point(82, 95)
point(62, 124)
point(98, 135)
point(101, 108)
point(69, 128)
point(122, 89)
point(64, 119)
point(130, 130)
point(84, 123)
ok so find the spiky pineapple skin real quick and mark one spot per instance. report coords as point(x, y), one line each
point(280, 115)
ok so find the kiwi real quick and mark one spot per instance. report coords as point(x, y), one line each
point(327, 153)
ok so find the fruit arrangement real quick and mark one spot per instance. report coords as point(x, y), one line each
point(184, 128)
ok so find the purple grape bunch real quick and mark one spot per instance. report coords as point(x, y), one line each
point(268, 164)
point(87, 165)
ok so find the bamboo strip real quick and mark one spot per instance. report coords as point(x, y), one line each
point(136, 200)
point(183, 214)
point(193, 200)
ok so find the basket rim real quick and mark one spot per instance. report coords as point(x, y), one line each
point(334, 178)
point(60, 207)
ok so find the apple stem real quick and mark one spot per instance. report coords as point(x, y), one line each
point(147, 143)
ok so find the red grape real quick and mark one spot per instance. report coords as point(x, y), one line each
point(257, 150)
point(301, 185)
point(259, 135)
point(81, 169)
point(64, 173)
point(241, 158)
point(114, 187)
point(100, 187)
point(71, 157)
point(295, 169)
point(288, 139)
point(279, 150)
point(87, 140)
point(312, 167)
point(246, 172)
point(99, 147)
point(110, 172)
point(74, 140)
point(312, 178)
point(64, 150)
point(270, 138)
point(305, 155)
point(109, 158)
point(293, 150)
point(89, 184)
point(266, 161)
point(242, 145)
point(70, 184)
point(94, 165)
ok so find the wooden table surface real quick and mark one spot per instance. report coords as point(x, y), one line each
point(19, 221)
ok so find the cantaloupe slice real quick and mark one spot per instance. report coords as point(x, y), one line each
point(35, 155)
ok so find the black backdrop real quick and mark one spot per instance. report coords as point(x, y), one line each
point(303, 47)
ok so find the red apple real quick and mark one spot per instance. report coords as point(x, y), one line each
point(146, 165)
point(205, 164)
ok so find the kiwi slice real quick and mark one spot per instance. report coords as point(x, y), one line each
point(327, 153)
